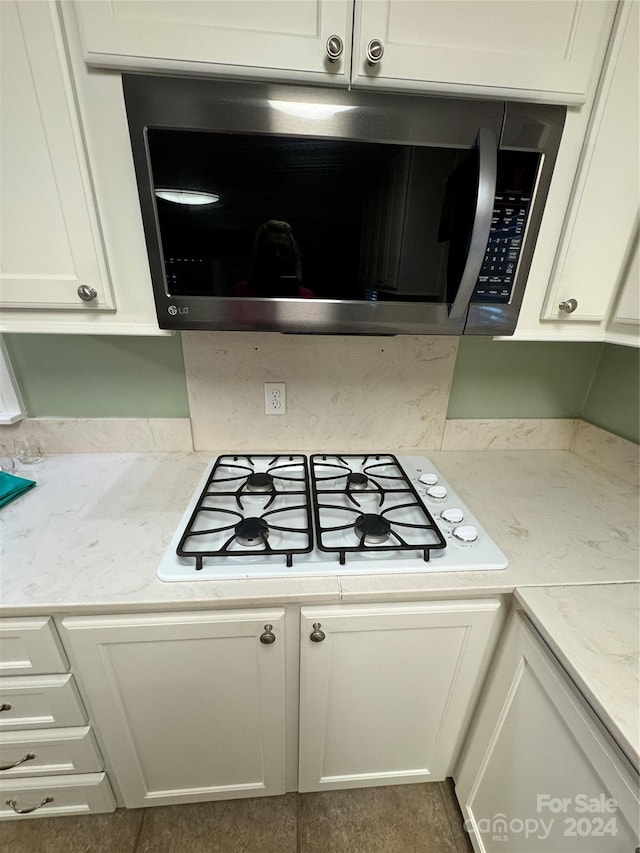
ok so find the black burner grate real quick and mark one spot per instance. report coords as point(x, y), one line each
point(282, 480)
point(338, 488)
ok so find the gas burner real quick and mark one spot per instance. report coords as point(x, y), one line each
point(350, 514)
point(251, 532)
point(277, 527)
point(260, 482)
point(372, 529)
point(345, 485)
point(357, 481)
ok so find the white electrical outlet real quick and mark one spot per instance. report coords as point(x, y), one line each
point(275, 398)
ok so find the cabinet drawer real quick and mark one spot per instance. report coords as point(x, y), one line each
point(68, 795)
point(30, 646)
point(40, 701)
point(45, 752)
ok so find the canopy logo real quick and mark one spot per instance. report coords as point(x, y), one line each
point(582, 816)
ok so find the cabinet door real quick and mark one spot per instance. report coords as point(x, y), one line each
point(628, 308)
point(538, 773)
point(189, 706)
point(530, 50)
point(256, 37)
point(385, 692)
point(603, 213)
point(49, 235)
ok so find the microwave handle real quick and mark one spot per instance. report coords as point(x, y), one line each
point(488, 156)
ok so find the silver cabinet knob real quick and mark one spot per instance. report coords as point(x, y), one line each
point(317, 636)
point(13, 805)
point(375, 51)
point(28, 757)
point(268, 636)
point(568, 306)
point(87, 293)
point(335, 48)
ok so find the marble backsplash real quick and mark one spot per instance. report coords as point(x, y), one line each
point(343, 393)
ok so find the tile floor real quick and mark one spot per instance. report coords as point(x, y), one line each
point(398, 819)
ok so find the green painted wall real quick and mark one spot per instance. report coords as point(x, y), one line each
point(518, 379)
point(107, 376)
point(612, 399)
point(96, 376)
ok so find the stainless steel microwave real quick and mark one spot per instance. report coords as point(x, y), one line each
point(323, 211)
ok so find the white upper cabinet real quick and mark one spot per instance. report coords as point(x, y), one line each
point(594, 205)
point(601, 226)
point(49, 235)
point(221, 36)
point(545, 51)
point(627, 311)
point(68, 200)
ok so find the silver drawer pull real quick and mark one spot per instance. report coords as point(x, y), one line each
point(12, 805)
point(5, 707)
point(28, 757)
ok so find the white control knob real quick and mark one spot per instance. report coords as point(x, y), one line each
point(437, 492)
point(454, 515)
point(466, 533)
point(428, 479)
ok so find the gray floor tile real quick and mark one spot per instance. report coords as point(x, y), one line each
point(456, 819)
point(260, 825)
point(397, 819)
point(101, 833)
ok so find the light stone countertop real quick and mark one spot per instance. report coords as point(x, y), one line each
point(595, 632)
point(91, 534)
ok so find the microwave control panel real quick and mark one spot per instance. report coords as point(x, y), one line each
point(500, 263)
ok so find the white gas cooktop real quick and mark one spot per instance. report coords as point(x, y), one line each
point(288, 514)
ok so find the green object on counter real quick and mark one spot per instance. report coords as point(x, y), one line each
point(11, 487)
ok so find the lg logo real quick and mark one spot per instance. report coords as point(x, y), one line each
point(173, 310)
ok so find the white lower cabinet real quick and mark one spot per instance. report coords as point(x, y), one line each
point(385, 690)
point(50, 764)
point(539, 774)
point(189, 706)
point(204, 706)
point(55, 796)
point(38, 701)
point(30, 646)
point(44, 752)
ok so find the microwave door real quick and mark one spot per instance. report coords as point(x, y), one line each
point(480, 215)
